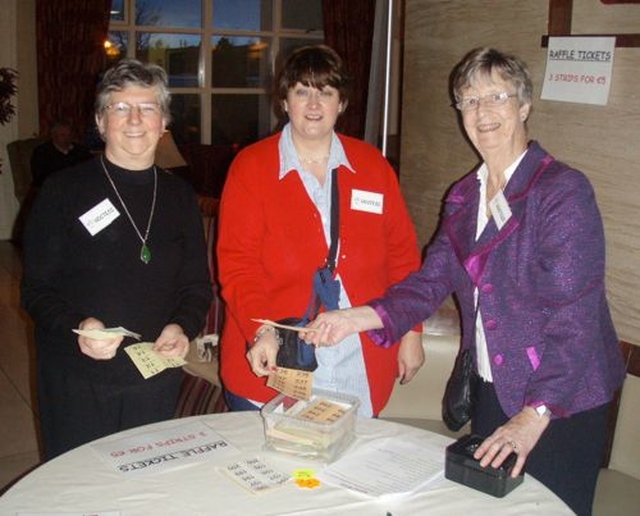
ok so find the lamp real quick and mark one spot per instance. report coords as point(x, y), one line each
point(167, 153)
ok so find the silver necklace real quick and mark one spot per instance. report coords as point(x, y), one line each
point(145, 252)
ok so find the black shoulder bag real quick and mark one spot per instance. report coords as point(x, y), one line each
point(457, 401)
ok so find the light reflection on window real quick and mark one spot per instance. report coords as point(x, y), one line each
point(117, 10)
point(178, 54)
point(225, 94)
point(239, 120)
point(242, 14)
point(185, 118)
point(239, 62)
point(169, 13)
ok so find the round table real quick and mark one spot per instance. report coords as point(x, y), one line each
point(80, 481)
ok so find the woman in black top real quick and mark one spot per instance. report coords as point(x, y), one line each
point(114, 241)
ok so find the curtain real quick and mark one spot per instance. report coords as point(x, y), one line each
point(69, 41)
point(348, 29)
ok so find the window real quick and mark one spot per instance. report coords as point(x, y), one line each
point(220, 56)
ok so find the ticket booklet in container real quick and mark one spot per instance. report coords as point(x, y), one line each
point(319, 428)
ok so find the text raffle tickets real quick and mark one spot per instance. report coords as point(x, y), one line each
point(174, 455)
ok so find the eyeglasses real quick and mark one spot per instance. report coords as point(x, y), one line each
point(492, 100)
point(123, 109)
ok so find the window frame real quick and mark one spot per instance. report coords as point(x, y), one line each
point(207, 32)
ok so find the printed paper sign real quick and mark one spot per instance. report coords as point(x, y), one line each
point(579, 69)
point(164, 449)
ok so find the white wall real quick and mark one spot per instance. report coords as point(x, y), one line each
point(17, 51)
point(8, 132)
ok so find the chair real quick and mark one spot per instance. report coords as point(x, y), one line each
point(419, 403)
point(618, 489)
point(20, 152)
point(201, 389)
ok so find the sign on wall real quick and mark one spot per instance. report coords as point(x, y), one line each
point(579, 69)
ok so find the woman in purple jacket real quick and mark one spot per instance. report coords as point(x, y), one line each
point(521, 246)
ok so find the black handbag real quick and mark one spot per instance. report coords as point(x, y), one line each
point(295, 353)
point(457, 400)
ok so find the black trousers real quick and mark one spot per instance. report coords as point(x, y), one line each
point(568, 455)
point(74, 410)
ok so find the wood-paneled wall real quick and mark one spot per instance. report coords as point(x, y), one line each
point(602, 141)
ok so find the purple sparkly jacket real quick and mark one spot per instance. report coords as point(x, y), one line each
point(541, 288)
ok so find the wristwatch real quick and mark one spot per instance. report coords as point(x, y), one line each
point(543, 410)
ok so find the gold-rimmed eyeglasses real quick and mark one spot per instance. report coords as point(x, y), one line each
point(490, 101)
point(124, 109)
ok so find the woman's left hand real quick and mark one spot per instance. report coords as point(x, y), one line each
point(172, 342)
point(519, 435)
point(410, 356)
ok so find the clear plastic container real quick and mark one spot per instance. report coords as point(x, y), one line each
point(320, 428)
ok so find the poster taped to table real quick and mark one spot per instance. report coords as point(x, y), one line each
point(164, 449)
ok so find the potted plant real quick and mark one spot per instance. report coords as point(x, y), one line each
point(8, 89)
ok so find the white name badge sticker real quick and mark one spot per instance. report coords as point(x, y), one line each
point(500, 209)
point(99, 217)
point(371, 202)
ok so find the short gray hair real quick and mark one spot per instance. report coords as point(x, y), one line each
point(131, 72)
point(481, 62)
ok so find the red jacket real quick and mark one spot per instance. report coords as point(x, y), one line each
point(271, 242)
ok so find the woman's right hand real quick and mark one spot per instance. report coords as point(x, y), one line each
point(264, 351)
point(331, 327)
point(98, 349)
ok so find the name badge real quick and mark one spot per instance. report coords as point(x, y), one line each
point(500, 209)
point(99, 217)
point(371, 202)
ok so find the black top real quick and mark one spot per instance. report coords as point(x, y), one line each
point(70, 275)
point(47, 159)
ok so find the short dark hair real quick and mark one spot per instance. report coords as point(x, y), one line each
point(316, 66)
point(481, 62)
point(131, 72)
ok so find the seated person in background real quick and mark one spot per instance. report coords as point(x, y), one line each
point(57, 153)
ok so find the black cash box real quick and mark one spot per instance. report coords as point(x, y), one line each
point(461, 467)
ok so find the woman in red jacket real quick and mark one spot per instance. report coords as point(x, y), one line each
point(275, 218)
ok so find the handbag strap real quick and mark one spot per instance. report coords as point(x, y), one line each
point(335, 221)
point(315, 303)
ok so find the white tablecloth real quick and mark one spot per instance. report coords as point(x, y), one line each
point(80, 481)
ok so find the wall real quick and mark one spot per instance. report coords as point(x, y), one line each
point(17, 51)
point(602, 141)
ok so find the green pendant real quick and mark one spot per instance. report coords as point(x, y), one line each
point(145, 254)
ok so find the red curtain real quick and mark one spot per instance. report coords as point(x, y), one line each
point(348, 29)
point(70, 36)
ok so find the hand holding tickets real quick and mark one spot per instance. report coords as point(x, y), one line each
point(283, 326)
point(107, 333)
point(98, 342)
point(292, 382)
point(148, 362)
